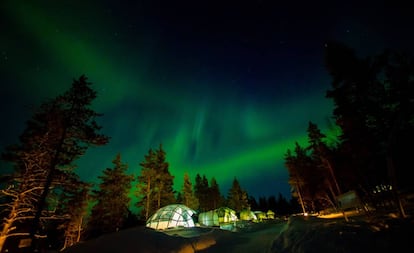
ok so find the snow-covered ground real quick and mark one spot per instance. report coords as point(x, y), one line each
point(297, 234)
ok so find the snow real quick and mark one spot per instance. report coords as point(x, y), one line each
point(296, 234)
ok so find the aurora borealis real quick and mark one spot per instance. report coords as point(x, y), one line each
point(226, 88)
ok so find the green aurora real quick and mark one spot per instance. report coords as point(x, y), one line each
point(218, 105)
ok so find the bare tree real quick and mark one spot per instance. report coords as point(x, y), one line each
point(59, 132)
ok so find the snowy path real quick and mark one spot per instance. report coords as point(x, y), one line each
point(299, 234)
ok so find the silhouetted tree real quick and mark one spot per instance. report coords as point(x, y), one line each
point(282, 206)
point(59, 132)
point(272, 203)
point(155, 183)
point(324, 176)
point(110, 211)
point(75, 204)
point(374, 107)
point(353, 92)
point(237, 198)
point(132, 220)
point(146, 185)
point(216, 200)
point(165, 181)
point(179, 197)
point(201, 190)
point(253, 203)
point(296, 165)
point(188, 197)
point(263, 205)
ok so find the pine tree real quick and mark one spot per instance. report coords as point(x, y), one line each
point(59, 132)
point(263, 204)
point(155, 183)
point(74, 205)
point(112, 201)
point(179, 197)
point(237, 198)
point(324, 176)
point(301, 176)
point(188, 197)
point(146, 185)
point(354, 91)
point(253, 203)
point(374, 107)
point(216, 199)
point(283, 206)
point(165, 182)
point(201, 190)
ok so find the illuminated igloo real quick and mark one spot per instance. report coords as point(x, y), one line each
point(217, 217)
point(248, 215)
point(171, 216)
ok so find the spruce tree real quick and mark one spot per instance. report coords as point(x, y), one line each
point(188, 197)
point(237, 198)
point(146, 185)
point(201, 189)
point(59, 132)
point(155, 183)
point(302, 177)
point(324, 177)
point(112, 199)
point(216, 200)
point(74, 204)
point(165, 193)
point(374, 108)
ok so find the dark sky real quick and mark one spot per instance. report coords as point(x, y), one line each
point(227, 87)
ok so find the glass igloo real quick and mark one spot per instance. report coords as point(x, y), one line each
point(171, 216)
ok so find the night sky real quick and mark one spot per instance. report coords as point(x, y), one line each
point(227, 88)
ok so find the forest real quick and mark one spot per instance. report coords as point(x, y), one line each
point(45, 204)
point(373, 108)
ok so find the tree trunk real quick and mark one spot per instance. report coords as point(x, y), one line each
point(160, 188)
point(43, 196)
point(300, 199)
point(390, 164)
point(2, 241)
point(79, 229)
point(7, 225)
point(331, 172)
